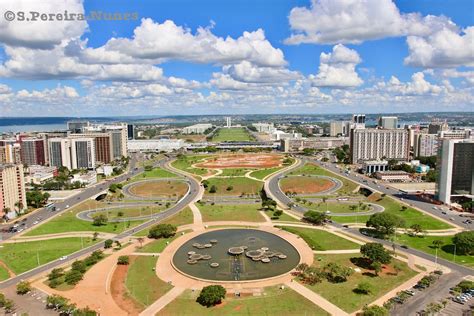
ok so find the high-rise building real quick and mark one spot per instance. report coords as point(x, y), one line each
point(456, 170)
point(388, 122)
point(82, 153)
point(60, 152)
point(376, 144)
point(339, 128)
point(228, 121)
point(77, 126)
point(12, 189)
point(10, 153)
point(437, 126)
point(130, 131)
point(33, 151)
point(103, 148)
point(455, 134)
point(426, 145)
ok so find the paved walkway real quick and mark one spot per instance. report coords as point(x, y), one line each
point(159, 304)
point(316, 299)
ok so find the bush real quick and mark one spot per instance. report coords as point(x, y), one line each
point(464, 242)
point(123, 260)
point(100, 220)
point(55, 273)
point(108, 243)
point(79, 265)
point(54, 283)
point(363, 288)
point(213, 189)
point(73, 277)
point(314, 217)
point(211, 295)
point(162, 231)
point(374, 310)
point(23, 287)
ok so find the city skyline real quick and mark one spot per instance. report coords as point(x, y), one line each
point(385, 57)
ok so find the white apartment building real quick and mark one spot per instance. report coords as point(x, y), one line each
point(377, 144)
point(155, 145)
point(264, 127)
point(388, 122)
point(82, 153)
point(196, 129)
point(339, 128)
point(59, 150)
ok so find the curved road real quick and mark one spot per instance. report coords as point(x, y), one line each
point(90, 192)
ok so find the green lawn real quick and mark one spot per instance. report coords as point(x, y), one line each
point(239, 186)
point(182, 218)
point(351, 219)
point(321, 240)
point(132, 211)
point(234, 172)
point(155, 173)
point(342, 294)
point(446, 251)
point(4, 274)
point(24, 256)
point(142, 283)
point(236, 134)
point(284, 217)
point(68, 222)
point(185, 163)
point(158, 245)
point(272, 301)
point(261, 174)
point(335, 207)
point(230, 212)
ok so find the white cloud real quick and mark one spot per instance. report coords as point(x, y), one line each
point(156, 42)
point(337, 69)
point(443, 49)
point(40, 34)
point(355, 21)
point(418, 86)
point(452, 73)
point(247, 72)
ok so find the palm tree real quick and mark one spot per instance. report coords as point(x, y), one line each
point(141, 240)
point(437, 243)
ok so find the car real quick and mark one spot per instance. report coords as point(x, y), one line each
point(63, 258)
point(451, 219)
point(20, 230)
point(410, 292)
point(444, 213)
point(35, 222)
point(404, 246)
point(67, 205)
point(345, 226)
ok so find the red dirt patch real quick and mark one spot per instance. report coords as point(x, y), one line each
point(305, 185)
point(119, 291)
point(242, 161)
point(158, 188)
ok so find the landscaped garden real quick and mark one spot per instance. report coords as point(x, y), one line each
point(235, 134)
point(232, 186)
point(319, 239)
point(230, 212)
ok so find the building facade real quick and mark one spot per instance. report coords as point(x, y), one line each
point(426, 145)
point(196, 128)
point(12, 189)
point(82, 153)
point(289, 145)
point(33, 151)
point(10, 153)
point(339, 128)
point(377, 144)
point(388, 122)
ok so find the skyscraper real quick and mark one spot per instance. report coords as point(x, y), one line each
point(456, 170)
point(32, 151)
point(82, 153)
point(388, 122)
point(12, 189)
point(130, 131)
point(375, 144)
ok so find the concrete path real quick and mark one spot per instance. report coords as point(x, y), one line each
point(268, 221)
point(316, 299)
point(159, 304)
point(197, 217)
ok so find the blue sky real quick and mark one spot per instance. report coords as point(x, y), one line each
point(325, 57)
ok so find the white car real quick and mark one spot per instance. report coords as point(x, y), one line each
point(35, 222)
point(63, 258)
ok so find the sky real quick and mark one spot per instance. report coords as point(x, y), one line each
point(174, 57)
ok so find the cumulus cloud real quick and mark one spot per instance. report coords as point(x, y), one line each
point(443, 49)
point(355, 21)
point(156, 42)
point(40, 34)
point(247, 72)
point(337, 69)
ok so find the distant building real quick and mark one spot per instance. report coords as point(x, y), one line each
point(371, 166)
point(155, 145)
point(264, 127)
point(196, 128)
point(12, 189)
point(77, 126)
point(297, 145)
point(130, 131)
point(392, 176)
point(358, 121)
point(33, 151)
point(40, 174)
point(437, 126)
point(10, 153)
point(426, 145)
point(60, 152)
point(228, 122)
point(82, 153)
point(339, 128)
point(388, 122)
point(88, 178)
point(377, 144)
point(456, 170)
point(455, 134)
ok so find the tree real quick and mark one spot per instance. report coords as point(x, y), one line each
point(437, 243)
point(416, 228)
point(108, 243)
point(363, 288)
point(376, 266)
point(95, 235)
point(229, 188)
point(375, 252)
point(374, 310)
point(464, 242)
point(23, 287)
point(9, 305)
point(302, 267)
point(140, 241)
point(162, 231)
point(314, 217)
point(73, 277)
point(337, 273)
point(213, 189)
point(385, 223)
point(211, 295)
point(86, 311)
point(79, 265)
point(123, 260)
point(56, 273)
point(397, 267)
point(100, 220)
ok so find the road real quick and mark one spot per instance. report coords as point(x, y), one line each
point(192, 193)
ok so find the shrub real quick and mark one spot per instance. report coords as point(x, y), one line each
point(79, 265)
point(211, 295)
point(363, 288)
point(123, 260)
point(23, 287)
point(108, 243)
point(73, 277)
point(162, 231)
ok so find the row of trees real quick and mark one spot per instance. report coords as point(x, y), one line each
point(65, 307)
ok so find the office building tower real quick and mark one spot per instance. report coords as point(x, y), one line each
point(10, 153)
point(376, 144)
point(455, 170)
point(60, 152)
point(339, 128)
point(12, 189)
point(130, 131)
point(77, 126)
point(437, 126)
point(228, 122)
point(82, 153)
point(33, 151)
point(197, 129)
point(388, 122)
point(426, 145)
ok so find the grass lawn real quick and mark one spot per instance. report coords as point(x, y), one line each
point(142, 283)
point(185, 163)
point(68, 222)
point(342, 294)
point(305, 185)
point(229, 212)
point(261, 174)
point(157, 189)
point(234, 172)
point(158, 245)
point(182, 218)
point(131, 211)
point(335, 207)
point(284, 217)
point(238, 134)
point(351, 219)
point(24, 256)
point(446, 251)
point(240, 186)
point(4, 274)
point(321, 240)
point(155, 173)
point(273, 301)
point(311, 169)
